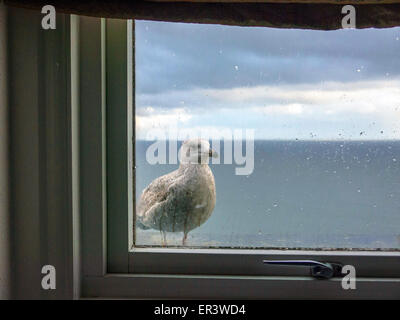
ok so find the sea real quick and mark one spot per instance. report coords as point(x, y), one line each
point(301, 194)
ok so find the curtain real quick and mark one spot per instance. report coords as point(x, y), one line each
point(305, 14)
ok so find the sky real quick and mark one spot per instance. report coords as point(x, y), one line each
point(281, 83)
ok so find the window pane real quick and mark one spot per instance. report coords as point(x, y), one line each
point(305, 124)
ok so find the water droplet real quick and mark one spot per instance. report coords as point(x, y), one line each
point(275, 205)
point(394, 159)
point(236, 68)
point(358, 190)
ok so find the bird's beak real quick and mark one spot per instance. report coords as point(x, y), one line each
point(213, 153)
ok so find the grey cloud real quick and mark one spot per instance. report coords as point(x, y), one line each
point(172, 56)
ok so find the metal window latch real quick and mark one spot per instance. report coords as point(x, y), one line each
point(319, 270)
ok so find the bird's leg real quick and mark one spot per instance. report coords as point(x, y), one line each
point(185, 232)
point(163, 235)
point(163, 238)
point(184, 238)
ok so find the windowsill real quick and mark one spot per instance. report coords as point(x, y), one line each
point(255, 251)
point(143, 286)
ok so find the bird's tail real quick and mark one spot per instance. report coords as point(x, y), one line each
point(140, 225)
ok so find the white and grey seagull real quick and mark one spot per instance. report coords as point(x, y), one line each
point(183, 199)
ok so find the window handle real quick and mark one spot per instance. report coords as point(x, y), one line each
point(319, 270)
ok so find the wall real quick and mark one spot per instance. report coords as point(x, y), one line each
point(40, 154)
point(4, 181)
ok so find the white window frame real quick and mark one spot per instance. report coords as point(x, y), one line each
point(109, 269)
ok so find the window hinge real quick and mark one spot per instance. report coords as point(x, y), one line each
point(319, 270)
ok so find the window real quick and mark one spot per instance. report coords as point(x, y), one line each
point(318, 115)
point(111, 267)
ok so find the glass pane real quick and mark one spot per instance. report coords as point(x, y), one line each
point(305, 124)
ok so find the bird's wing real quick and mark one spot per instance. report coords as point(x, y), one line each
point(158, 199)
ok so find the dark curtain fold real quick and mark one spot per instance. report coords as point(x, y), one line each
point(280, 15)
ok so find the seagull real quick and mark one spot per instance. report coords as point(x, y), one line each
point(183, 199)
